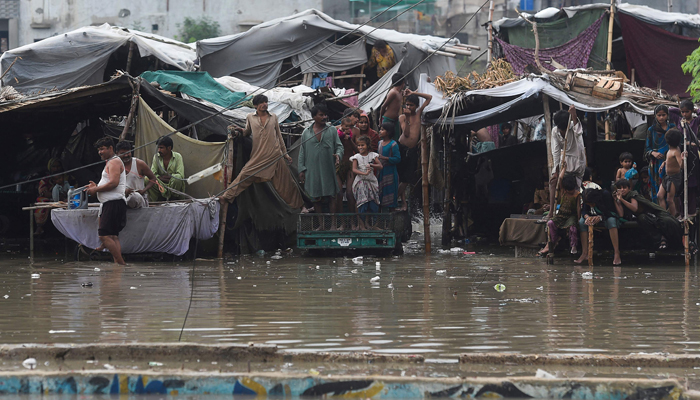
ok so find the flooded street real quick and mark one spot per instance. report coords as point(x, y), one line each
point(438, 306)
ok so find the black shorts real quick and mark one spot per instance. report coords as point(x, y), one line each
point(113, 218)
point(408, 165)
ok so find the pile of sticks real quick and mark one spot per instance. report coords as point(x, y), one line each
point(498, 73)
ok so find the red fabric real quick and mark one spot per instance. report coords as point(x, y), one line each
point(656, 55)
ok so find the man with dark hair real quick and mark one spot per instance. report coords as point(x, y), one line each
point(136, 170)
point(319, 154)
point(169, 169)
point(110, 193)
point(410, 122)
point(391, 108)
point(662, 229)
point(267, 158)
point(574, 154)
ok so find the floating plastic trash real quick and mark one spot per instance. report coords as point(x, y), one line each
point(441, 271)
point(29, 363)
point(155, 364)
point(375, 279)
point(499, 287)
point(540, 288)
point(357, 260)
point(587, 275)
point(276, 257)
point(86, 284)
point(646, 291)
point(36, 276)
point(469, 252)
point(410, 286)
point(544, 374)
point(133, 288)
point(108, 366)
point(354, 271)
point(330, 290)
point(456, 250)
point(6, 296)
point(97, 269)
point(390, 286)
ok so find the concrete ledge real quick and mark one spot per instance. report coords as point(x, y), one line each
point(286, 385)
point(592, 360)
point(186, 351)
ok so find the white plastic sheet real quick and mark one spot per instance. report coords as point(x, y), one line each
point(164, 229)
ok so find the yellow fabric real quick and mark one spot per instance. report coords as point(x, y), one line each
point(196, 154)
point(383, 63)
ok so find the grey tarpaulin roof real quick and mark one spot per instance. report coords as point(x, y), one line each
point(256, 56)
point(642, 13)
point(79, 57)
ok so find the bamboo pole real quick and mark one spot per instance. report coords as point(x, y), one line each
point(224, 212)
point(490, 33)
point(426, 192)
point(611, 23)
point(31, 235)
point(132, 110)
point(548, 129)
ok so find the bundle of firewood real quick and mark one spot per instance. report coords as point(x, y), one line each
point(498, 73)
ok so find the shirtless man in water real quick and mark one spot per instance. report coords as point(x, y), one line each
point(410, 122)
point(391, 108)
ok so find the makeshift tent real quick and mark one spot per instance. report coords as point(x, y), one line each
point(80, 57)
point(653, 42)
point(197, 155)
point(520, 99)
point(196, 84)
point(265, 46)
point(572, 54)
point(656, 55)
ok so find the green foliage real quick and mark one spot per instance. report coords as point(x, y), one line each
point(692, 66)
point(192, 29)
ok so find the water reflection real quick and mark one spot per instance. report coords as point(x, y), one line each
point(545, 308)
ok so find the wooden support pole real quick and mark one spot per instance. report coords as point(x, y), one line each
point(590, 246)
point(490, 33)
point(130, 56)
point(426, 191)
point(132, 110)
point(611, 23)
point(548, 129)
point(224, 213)
point(31, 235)
point(362, 73)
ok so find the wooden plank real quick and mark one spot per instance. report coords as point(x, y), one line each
point(350, 76)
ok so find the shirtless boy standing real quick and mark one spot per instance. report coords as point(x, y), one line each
point(391, 108)
point(673, 180)
point(410, 122)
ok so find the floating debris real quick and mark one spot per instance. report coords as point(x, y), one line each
point(357, 260)
point(375, 279)
point(29, 363)
point(330, 290)
point(499, 287)
point(86, 284)
point(97, 269)
point(354, 271)
point(441, 272)
point(646, 291)
point(153, 364)
point(36, 276)
point(587, 275)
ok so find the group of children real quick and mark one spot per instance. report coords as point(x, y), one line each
point(650, 195)
point(373, 164)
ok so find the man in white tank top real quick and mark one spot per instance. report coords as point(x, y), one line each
point(110, 192)
point(136, 191)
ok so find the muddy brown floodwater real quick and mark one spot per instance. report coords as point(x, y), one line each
point(438, 306)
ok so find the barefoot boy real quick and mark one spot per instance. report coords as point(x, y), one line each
point(410, 122)
point(674, 165)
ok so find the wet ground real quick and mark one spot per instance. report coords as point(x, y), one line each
point(437, 306)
